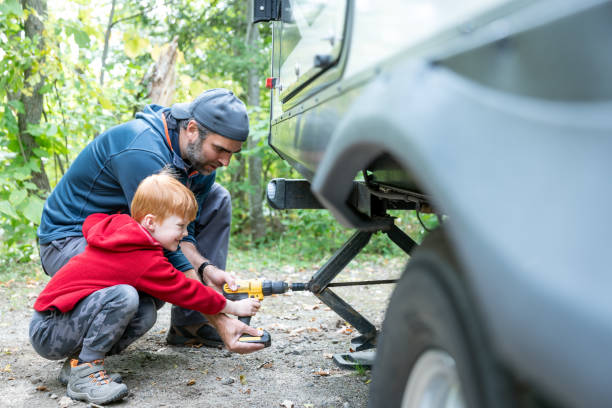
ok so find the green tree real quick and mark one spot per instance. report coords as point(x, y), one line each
point(50, 106)
point(255, 160)
point(222, 48)
point(31, 96)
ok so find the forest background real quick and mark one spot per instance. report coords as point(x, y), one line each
point(71, 69)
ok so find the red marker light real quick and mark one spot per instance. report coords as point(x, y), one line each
point(271, 83)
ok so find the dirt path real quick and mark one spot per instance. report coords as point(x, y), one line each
point(296, 371)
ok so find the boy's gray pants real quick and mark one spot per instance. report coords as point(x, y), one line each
point(212, 230)
point(103, 323)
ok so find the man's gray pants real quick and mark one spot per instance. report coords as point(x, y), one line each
point(212, 231)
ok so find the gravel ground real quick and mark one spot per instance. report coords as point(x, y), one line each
point(296, 371)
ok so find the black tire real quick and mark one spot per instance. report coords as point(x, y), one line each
point(430, 309)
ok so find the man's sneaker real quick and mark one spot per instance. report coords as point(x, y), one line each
point(89, 382)
point(64, 374)
point(204, 334)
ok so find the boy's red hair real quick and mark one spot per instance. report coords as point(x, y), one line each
point(162, 195)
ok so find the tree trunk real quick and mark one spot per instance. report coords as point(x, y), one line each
point(258, 227)
point(163, 76)
point(107, 35)
point(31, 98)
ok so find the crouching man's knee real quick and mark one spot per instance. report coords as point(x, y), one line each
point(147, 313)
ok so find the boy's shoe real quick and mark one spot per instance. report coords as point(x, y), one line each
point(64, 374)
point(89, 382)
point(204, 334)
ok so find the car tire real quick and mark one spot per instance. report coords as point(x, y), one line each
point(432, 351)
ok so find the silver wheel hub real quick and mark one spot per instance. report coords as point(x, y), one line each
point(433, 383)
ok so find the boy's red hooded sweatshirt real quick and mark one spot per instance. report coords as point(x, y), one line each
point(121, 251)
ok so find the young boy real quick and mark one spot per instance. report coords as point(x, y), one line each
point(105, 298)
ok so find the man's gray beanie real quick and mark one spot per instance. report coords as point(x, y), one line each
point(218, 110)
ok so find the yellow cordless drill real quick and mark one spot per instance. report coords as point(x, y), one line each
point(257, 289)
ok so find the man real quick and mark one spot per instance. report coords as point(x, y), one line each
point(195, 139)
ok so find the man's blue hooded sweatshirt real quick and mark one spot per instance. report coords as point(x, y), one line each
point(105, 175)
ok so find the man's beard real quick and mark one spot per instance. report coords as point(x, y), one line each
point(194, 157)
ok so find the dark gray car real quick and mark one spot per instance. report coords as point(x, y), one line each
point(497, 114)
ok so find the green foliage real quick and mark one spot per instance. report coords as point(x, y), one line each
point(360, 370)
point(20, 201)
point(214, 53)
point(20, 209)
point(307, 237)
point(75, 110)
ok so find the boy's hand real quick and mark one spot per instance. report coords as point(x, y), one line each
point(230, 331)
point(244, 307)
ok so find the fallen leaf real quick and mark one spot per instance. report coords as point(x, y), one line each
point(243, 380)
point(7, 283)
point(7, 369)
point(218, 378)
point(191, 382)
point(162, 331)
point(266, 365)
point(310, 307)
point(321, 373)
point(10, 378)
point(277, 326)
point(42, 388)
point(345, 330)
point(297, 331)
point(287, 404)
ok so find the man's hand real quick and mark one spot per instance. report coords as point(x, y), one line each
point(230, 331)
point(217, 277)
point(213, 276)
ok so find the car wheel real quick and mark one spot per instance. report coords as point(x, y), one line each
point(432, 351)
